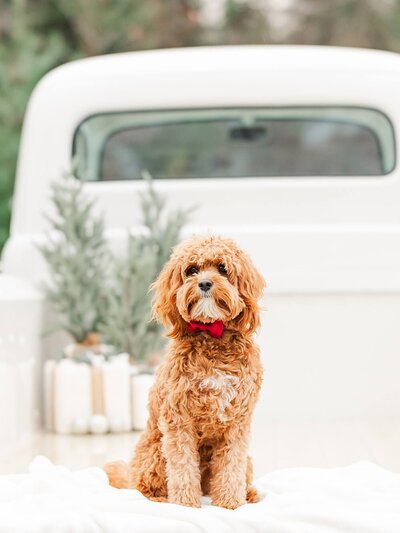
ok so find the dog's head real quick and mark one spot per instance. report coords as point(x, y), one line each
point(208, 279)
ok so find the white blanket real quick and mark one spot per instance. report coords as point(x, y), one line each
point(361, 498)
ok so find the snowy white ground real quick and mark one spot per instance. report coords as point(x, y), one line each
point(360, 498)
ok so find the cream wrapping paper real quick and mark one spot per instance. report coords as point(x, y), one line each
point(117, 392)
point(48, 380)
point(8, 405)
point(72, 394)
point(25, 398)
point(141, 385)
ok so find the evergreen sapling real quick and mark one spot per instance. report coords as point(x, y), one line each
point(78, 260)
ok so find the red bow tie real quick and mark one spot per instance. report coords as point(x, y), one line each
point(215, 329)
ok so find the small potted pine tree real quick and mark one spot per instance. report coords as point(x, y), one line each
point(103, 303)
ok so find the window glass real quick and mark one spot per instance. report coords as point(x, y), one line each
point(233, 143)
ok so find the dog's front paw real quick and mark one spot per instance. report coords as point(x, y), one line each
point(229, 502)
point(184, 498)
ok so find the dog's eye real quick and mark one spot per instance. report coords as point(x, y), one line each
point(191, 271)
point(222, 269)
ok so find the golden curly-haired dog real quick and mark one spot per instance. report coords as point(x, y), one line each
point(201, 405)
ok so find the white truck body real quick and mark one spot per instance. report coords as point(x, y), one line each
point(328, 246)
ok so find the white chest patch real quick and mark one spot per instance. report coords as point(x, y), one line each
point(206, 307)
point(226, 385)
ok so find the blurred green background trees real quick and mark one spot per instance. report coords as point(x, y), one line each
point(37, 35)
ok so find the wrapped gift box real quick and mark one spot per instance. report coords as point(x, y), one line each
point(20, 351)
point(90, 396)
point(141, 385)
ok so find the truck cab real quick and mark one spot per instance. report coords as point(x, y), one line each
point(292, 151)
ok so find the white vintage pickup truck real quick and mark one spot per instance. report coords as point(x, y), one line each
point(290, 150)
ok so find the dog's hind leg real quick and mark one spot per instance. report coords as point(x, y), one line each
point(147, 469)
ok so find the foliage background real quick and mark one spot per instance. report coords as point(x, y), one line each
point(38, 35)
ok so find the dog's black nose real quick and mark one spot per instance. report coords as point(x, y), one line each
point(205, 285)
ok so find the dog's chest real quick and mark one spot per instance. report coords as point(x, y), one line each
point(219, 390)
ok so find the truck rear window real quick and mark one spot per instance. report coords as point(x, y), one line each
point(235, 143)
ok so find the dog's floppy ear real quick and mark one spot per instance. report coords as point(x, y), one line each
point(164, 300)
point(251, 285)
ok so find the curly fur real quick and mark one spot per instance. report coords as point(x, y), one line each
point(201, 404)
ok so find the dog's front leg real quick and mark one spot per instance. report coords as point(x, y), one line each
point(228, 469)
point(182, 465)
